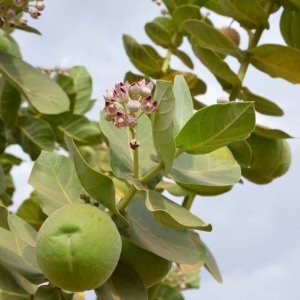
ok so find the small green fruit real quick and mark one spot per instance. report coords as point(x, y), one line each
point(271, 158)
point(78, 247)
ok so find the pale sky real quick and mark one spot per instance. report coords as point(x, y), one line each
point(255, 236)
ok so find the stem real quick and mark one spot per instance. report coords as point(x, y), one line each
point(253, 42)
point(135, 156)
point(144, 179)
point(126, 198)
point(167, 61)
point(152, 291)
point(188, 201)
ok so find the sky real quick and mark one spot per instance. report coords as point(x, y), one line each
point(255, 236)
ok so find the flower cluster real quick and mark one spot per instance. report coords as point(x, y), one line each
point(11, 11)
point(127, 102)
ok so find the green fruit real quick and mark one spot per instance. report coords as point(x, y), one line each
point(271, 158)
point(149, 266)
point(78, 247)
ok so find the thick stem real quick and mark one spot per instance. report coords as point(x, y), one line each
point(136, 172)
point(152, 292)
point(253, 42)
point(188, 201)
point(167, 61)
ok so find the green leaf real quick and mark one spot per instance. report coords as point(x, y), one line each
point(121, 155)
point(210, 174)
point(183, 103)
point(271, 133)
point(210, 38)
point(184, 13)
point(124, 284)
point(3, 217)
point(10, 101)
point(30, 211)
point(10, 288)
point(54, 178)
point(248, 13)
point(34, 135)
point(277, 61)
point(170, 214)
point(262, 105)
point(211, 264)
point(224, 123)
point(271, 159)
point(184, 58)
point(82, 130)
point(141, 58)
point(98, 185)
point(158, 34)
point(42, 92)
point(169, 243)
point(162, 124)
point(217, 66)
point(20, 257)
point(22, 230)
point(149, 266)
point(83, 88)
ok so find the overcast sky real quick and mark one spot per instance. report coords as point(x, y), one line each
point(256, 228)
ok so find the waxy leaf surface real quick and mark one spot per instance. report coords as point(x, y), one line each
point(216, 126)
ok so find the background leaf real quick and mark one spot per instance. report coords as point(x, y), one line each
point(41, 91)
point(34, 135)
point(277, 61)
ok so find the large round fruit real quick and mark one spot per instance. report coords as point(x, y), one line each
point(78, 247)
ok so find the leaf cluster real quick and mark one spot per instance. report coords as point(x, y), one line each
point(187, 149)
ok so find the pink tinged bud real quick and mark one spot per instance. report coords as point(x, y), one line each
point(120, 92)
point(141, 88)
point(23, 21)
point(108, 95)
point(132, 121)
point(223, 99)
point(133, 105)
point(34, 13)
point(120, 120)
point(148, 105)
point(18, 3)
point(40, 5)
point(10, 13)
point(111, 108)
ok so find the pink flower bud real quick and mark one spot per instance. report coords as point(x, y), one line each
point(40, 5)
point(18, 3)
point(133, 105)
point(223, 99)
point(34, 13)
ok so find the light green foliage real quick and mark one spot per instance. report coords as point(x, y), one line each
point(183, 147)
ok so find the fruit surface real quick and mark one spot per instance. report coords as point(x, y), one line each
point(232, 34)
point(78, 247)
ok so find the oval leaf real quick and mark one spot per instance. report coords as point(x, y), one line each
point(277, 61)
point(169, 243)
point(224, 123)
point(211, 38)
point(54, 178)
point(162, 124)
point(41, 91)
